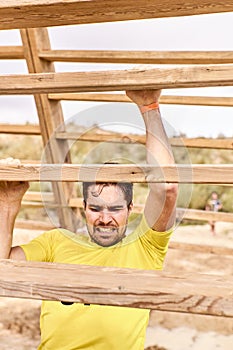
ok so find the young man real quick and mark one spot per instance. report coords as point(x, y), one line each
point(70, 326)
point(213, 204)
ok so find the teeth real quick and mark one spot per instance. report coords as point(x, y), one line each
point(103, 229)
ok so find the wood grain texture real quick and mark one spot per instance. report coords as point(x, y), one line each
point(136, 79)
point(209, 174)
point(11, 52)
point(27, 129)
point(200, 293)
point(138, 57)
point(104, 136)
point(50, 117)
point(108, 136)
point(44, 13)
point(164, 99)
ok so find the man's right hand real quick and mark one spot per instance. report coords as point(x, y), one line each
point(144, 97)
point(12, 192)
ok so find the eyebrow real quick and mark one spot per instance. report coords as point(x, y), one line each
point(110, 208)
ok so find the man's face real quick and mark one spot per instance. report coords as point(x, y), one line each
point(106, 214)
point(214, 195)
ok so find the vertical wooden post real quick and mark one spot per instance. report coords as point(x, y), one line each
point(50, 118)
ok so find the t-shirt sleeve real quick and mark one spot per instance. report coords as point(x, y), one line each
point(41, 247)
point(154, 242)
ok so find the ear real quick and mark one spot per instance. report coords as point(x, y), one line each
point(130, 208)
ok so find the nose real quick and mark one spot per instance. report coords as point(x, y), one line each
point(105, 217)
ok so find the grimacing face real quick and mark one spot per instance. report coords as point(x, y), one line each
point(106, 214)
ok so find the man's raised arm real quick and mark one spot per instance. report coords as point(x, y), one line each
point(161, 201)
point(11, 194)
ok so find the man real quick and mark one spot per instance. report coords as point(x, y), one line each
point(213, 204)
point(70, 326)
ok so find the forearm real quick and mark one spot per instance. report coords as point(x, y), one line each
point(160, 205)
point(7, 220)
point(157, 144)
point(161, 200)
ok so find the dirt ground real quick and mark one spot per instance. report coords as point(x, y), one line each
point(19, 319)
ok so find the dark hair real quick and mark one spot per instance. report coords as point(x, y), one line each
point(126, 187)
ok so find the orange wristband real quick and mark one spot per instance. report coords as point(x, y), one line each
point(144, 109)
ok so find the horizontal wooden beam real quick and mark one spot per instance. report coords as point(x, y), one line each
point(164, 99)
point(209, 174)
point(202, 248)
point(38, 196)
point(24, 129)
point(30, 161)
point(36, 205)
point(105, 136)
point(46, 198)
point(195, 214)
point(201, 294)
point(11, 52)
point(136, 79)
point(134, 57)
point(226, 143)
point(33, 225)
point(139, 57)
point(45, 13)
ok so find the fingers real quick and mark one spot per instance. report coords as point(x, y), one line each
point(143, 97)
point(24, 185)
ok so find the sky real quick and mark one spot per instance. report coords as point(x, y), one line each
point(203, 32)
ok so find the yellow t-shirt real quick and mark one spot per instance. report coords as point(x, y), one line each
point(95, 327)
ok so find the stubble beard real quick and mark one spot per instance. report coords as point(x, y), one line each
point(97, 235)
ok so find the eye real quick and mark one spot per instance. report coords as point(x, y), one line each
point(115, 209)
point(95, 209)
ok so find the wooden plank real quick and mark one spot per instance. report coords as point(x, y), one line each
point(102, 136)
point(156, 290)
point(138, 57)
point(26, 129)
point(44, 13)
point(180, 173)
point(195, 214)
point(11, 52)
point(38, 199)
point(141, 78)
point(50, 118)
point(226, 143)
point(164, 99)
point(33, 225)
point(30, 161)
point(38, 196)
point(105, 136)
point(198, 100)
point(202, 248)
point(36, 205)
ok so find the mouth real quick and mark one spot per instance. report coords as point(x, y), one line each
point(105, 231)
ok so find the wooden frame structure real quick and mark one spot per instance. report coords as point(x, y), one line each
point(202, 294)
